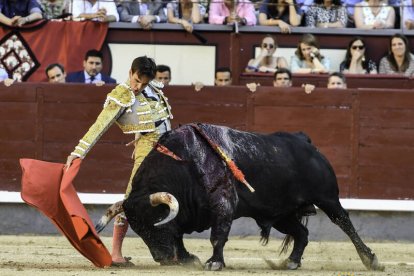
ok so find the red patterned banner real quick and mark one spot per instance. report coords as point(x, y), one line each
point(26, 52)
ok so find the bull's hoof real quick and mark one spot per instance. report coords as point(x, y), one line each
point(192, 260)
point(291, 265)
point(214, 266)
point(375, 265)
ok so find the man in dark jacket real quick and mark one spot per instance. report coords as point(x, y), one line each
point(92, 65)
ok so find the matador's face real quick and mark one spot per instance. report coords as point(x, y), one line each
point(138, 83)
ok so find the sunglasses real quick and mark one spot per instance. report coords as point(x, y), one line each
point(265, 45)
point(361, 47)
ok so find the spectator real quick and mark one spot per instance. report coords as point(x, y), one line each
point(374, 14)
point(356, 61)
point(230, 12)
point(163, 74)
point(399, 60)
point(54, 9)
point(408, 14)
point(4, 77)
point(222, 77)
point(186, 13)
point(19, 13)
point(307, 58)
point(282, 78)
point(143, 12)
point(281, 13)
point(327, 14)
point(92, 65)
point(336, 80)
point(55, 73)
point(265, 61)
point(96, 10)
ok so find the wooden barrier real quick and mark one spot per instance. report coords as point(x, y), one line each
point(366, 134)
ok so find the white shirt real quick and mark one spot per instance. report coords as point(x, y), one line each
point(84, 6)
point(95, 80)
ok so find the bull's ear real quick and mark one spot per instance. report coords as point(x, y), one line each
point(165, 198)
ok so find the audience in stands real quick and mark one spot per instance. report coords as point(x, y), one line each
point(92, 65)
point(55, 9)
point(231, 12)
point(222, 76)
point(282, 78)
point(266, 61)
point(327, 14)
point(96, 10)
point(307, 58)
point(186, 13)
point(55, 73)
point(350, 8)
point(374, 14)
point(19, 13)
point(163, 74)
point(144, 12)
point(281, 13)
point(356, 61)
point(408, 14)
point(399, 59)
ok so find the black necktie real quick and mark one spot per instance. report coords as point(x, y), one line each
point(92, 78)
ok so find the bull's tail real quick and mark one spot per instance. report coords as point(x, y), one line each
point(288, 238)
point(111, 212)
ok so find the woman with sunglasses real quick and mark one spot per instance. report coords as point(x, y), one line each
point(307, 58)
point(399, 60)
point(355, 59)
point(186, 13)
point(266, 61)
point(281, 13)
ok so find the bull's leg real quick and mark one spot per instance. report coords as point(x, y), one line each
point(340, 217)
point(293, 227)
point(219, 236)
point(184, 256)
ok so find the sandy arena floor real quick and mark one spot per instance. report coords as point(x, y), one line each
point(34, 255)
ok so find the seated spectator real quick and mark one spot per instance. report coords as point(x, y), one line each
point(92, 65)
point(230, 12)
point(307, 58)
point(222, 77)
point(356, 61)
point(327, 14)
point(96, 10)
point(19, 13)
point(374, 14)
point(163, 74)
point(282, 78)
point(399, 60)
point(143, 12)
point(55, 73)
point(54, 9)
point(408, 14)
point(186, 13)
point(265, 61)
point(336, 80)
point(281, 13)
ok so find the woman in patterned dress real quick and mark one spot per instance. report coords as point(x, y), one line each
point(374, 14)
point(327, 14)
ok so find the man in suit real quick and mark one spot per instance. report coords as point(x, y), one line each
point(92, 65)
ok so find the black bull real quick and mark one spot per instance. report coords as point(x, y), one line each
point(287, 172)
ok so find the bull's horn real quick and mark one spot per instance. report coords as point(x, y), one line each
point(165, 198)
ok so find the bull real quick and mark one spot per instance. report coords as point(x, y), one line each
point(198, 190)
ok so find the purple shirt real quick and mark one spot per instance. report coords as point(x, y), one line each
point(19, 7)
